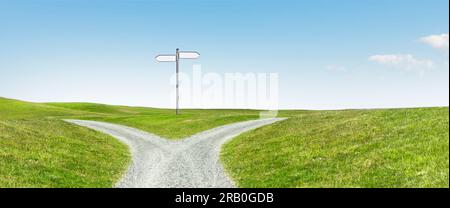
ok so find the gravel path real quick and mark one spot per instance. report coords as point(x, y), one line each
point(189, 163)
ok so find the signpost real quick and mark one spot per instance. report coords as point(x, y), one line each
point(176, 58)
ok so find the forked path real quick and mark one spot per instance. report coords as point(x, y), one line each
point(189, 163)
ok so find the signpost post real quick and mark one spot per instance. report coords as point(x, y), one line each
point(176, 58)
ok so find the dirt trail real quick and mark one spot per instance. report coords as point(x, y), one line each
point(189, 163)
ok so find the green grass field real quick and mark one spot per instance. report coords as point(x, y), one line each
point(162, 122)
point(38, 149)
point(354, 148)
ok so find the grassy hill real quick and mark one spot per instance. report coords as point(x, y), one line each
point(39, 150)
point(354, 148)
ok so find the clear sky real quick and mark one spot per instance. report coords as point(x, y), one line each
point(329, 54)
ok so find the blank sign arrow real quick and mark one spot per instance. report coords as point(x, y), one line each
point(166, 58)
point(189, 54)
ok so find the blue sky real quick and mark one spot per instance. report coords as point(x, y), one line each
point(329, 54)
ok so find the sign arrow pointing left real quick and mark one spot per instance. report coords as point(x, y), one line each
point(166, 58)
